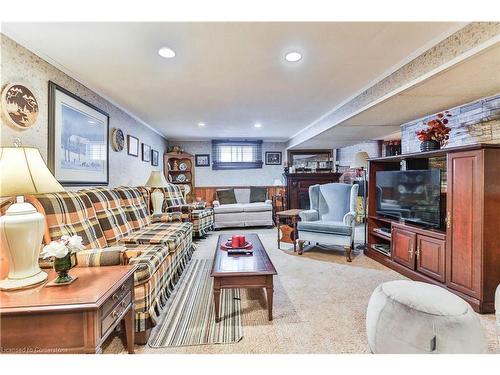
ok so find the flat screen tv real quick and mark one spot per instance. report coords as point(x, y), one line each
point(413, 196)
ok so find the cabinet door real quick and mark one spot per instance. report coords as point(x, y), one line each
point(403, 247)
point(464, 212)
point(430, 257)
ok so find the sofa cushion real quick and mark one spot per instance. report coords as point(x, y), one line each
point(135, 207)
point(110, 213)
point(228, 208)
point(169, 234)
point(71, 213)
point(173, 196)
point(329, 227)
point(226, 196)
point(147, 258)
point(258, 194)
point(257, 207)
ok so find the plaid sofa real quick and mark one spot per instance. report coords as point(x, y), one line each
point(116, 229)
point(200, 216)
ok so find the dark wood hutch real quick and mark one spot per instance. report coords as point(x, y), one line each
point(306, 168)
point(297, 186)
point(463, 255)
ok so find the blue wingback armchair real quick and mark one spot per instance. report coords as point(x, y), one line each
point(331, 218)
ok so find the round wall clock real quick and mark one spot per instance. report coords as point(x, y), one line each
point(19, 106)
point(117, 140)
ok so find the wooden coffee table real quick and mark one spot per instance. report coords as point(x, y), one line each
point(243, 271)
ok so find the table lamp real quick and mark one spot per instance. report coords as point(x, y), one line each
point(23, 172)
point(156, 180)
point(360, 160)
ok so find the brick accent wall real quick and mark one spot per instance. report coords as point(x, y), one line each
point(345, 155)
point(476, 122)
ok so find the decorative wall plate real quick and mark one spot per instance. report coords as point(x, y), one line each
point(181, 178)
point(117, 140)
point(19, 106)
point(183, 166)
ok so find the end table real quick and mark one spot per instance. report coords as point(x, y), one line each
point(74, 318)
point(288, 233)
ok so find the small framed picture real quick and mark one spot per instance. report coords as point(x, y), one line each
point(154, 158)
point(202, 160)
point(146, 152)
point(132, 145)
point(273, 157)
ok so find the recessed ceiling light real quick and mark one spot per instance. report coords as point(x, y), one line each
point(201, 124)
point(257, 125)
point(166, 52)
point(293, 56)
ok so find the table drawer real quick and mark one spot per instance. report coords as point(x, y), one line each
point(116, 313)
point(117, 297)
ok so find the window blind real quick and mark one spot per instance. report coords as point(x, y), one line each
point(227, 154)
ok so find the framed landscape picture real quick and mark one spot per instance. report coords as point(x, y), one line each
point(146, 152)
point(132, 145)
point(202, 160)
point(78, 151)
point(154, 158)
point(273, 157)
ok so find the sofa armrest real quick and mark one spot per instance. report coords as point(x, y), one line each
point(350, 218)
point(108, 256)
point(216, 203)
point(309, 215)
point(166, 217)
point(268, 201)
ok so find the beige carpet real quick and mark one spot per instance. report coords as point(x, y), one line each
point(319, 304)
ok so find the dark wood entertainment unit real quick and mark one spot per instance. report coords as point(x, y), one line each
point(463, 255)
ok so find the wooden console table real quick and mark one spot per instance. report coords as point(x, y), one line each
point(74, 318)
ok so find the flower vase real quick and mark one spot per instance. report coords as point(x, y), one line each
point(62, 266)
point(429, 145)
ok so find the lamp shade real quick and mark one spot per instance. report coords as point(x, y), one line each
point(23, 171)
point(156, 179)
point(360, 160)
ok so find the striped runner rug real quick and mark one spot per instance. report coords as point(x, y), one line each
point(190, 319)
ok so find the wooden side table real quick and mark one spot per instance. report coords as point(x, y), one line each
point(74, 318)
point(287, 233)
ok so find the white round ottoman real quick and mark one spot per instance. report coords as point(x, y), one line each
point(411, 317)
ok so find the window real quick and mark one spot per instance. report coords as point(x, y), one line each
point(236, 154)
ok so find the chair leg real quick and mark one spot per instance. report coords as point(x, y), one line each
point(301, 246)
point(348, 250)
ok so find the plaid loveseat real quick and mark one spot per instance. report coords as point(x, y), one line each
point(200, 216)
point(116, 229)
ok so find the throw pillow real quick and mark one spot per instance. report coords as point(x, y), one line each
point(226, 196)
point(258, 194)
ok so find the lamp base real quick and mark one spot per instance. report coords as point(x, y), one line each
point(157, 201)
point(21, 230)
point(12, 284)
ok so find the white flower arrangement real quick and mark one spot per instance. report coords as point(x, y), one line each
point(63, 247)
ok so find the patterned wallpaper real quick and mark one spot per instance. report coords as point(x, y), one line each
point(20, 65)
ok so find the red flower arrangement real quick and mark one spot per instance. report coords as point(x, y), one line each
point(436, 129)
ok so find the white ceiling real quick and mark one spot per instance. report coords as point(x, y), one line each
point(228, 75)
point(475, 77)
